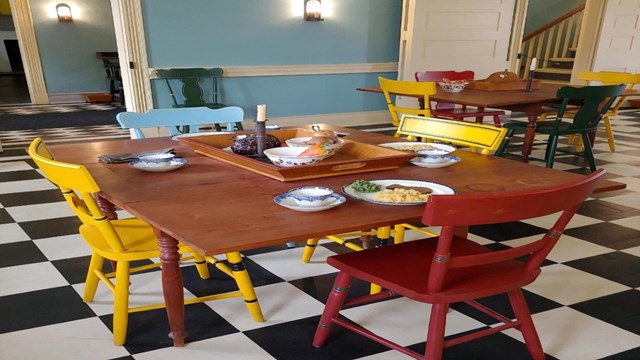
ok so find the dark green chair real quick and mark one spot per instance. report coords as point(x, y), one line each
point(189, 83)
point(595, 102)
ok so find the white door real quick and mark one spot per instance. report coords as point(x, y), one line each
point(619, 42)
point(455, 35)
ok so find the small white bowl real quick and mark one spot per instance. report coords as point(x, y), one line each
point(290, 156)
point(452, 87)
point(311, 195)
point(434, 156)
point(156, 160)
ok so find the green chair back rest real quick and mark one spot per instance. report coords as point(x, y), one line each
point(610, 78)
point(596, 101)
point(191, 86)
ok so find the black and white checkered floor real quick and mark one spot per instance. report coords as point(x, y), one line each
point(585, 303)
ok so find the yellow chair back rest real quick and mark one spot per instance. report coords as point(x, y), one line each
point(78, 188)
point(416, 89)
point(610, 78)
point(476, 136)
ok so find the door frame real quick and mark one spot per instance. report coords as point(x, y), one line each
point(131, 46)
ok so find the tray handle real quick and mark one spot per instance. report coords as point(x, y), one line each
point(352, 166)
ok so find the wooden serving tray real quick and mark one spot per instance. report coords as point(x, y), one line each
point(352, 158)
point(502, 80)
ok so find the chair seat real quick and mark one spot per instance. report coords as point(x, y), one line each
point(386, 266)
point(137, 237)
point(462, 113)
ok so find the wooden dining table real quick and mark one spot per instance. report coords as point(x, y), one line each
point(218, 208)
point(528, 102)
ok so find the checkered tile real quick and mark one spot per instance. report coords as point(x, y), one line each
point(585, 303)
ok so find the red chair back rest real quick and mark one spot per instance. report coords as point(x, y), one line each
point(450, 211)
point(439, 75)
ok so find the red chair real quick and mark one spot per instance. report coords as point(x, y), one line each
point(450, 268)
point(450, 111)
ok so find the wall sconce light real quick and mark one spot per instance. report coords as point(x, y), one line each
point(313, 10)
point(64, 13)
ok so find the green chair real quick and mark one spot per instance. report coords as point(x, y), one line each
point(190, 84)
point(595, 102)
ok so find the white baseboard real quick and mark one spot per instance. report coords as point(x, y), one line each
point(67, 98)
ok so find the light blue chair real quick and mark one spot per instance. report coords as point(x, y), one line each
point(190, 119)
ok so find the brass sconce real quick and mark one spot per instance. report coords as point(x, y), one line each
point(313, 10)
point(64, 13)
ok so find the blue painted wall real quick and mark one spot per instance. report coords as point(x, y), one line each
point(210, 33)
point(68, 50)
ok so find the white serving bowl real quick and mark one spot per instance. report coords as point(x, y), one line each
point(290, 156)
point(155, 160)
point(300, 141)
point(435, 155)
point(311, 195)
point(452, 87)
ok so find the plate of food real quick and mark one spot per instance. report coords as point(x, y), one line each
point(395, 191)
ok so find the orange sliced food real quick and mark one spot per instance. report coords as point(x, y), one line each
point(314, 150)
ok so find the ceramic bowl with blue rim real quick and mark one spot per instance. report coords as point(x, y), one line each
point(434, 155)
point(156, 160)
point(311, 195)
point(290, 156)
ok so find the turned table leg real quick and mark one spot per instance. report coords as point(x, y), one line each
point(172, 286)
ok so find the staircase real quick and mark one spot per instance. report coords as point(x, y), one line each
point(554, 47)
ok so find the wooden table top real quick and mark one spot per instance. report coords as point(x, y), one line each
point(216, 207)
point(497, 99)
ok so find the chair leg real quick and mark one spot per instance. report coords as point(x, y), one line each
point(201, 265)
point(309, 248)
point(398, 234)
point(527, 328)
point(609, 131)
point(496, 121)
point(245, 286)
point(550, 154)
point(435, 335)
point(334, 304)
point(92, 280)
point(121, 303)
point(588, 152)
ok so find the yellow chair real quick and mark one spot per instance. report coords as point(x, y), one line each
point(406, 88)
point(122, 242)
point(602, 78)
point(485, 139)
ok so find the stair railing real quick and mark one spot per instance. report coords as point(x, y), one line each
point(556, 39)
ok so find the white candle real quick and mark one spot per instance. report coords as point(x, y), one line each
point(262, 113)
point(533, 64)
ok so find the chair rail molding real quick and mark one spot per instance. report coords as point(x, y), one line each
point(26, 35)
point(292, 70)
